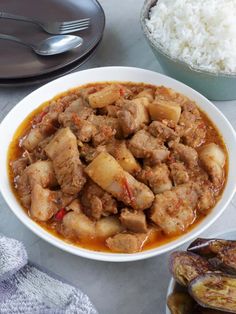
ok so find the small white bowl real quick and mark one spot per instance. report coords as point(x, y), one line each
point(48, 91)
point(229, 235)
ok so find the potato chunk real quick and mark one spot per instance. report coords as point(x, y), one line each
point(108, 226)
point(110, 176)
point(104, 97)
point(162, 109)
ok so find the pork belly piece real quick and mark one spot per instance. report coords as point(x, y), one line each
point(179, 173)
point(83, 129)
point(43, 205)
point(134, 221)
point(108, 174)
point(104, 97)
point(144, 145)
point(108, 226)
point(127, 242)
point(77, 225)
point(186, 154)
point(162, 131)
point(123, 155)
point(157, 178)
point(132, 115)
point(97, 202)
point(63, 152)
point(32, 139)
point(213, 159)
point(174, 211)
point(81, 108)
point(40, 172)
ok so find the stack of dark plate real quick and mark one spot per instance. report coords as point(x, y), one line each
point(21, 66)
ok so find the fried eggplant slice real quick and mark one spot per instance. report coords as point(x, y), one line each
point(221, 253)
point(186, 266)
point(215, 290)
point(180, 303)
point(226, 260)
point(209, 247)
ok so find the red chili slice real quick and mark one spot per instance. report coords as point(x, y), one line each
point(129, 191)
point(60, 214)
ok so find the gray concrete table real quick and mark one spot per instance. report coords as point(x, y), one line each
point(126, 288)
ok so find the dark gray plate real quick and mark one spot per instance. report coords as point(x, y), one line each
point(50, 76)
point(17, 61)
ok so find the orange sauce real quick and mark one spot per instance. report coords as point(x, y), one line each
point(158, 238)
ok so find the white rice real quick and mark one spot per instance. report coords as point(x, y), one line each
point(199, 32)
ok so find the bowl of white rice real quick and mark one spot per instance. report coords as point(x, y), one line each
point(195, 42)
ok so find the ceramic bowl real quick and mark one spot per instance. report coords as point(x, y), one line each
point(213, 86)
point(229, 235)
point(48, 91)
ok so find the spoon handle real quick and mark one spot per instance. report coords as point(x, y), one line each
point(16, 39)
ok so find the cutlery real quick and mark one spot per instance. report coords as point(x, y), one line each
point(50, 46)
point(54, 28)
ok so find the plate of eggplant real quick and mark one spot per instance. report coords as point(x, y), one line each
point(204, 278)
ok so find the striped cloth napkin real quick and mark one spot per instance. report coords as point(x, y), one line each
point(30, 289)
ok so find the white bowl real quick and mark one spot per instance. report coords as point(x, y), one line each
point(48, 91)
point(229, 235)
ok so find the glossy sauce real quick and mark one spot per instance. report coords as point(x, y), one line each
point(158, 238)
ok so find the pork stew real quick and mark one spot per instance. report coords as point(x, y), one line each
point(118, 167)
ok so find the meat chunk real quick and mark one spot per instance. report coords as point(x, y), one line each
point(88, 153)
point(63, 152)
point(174, 211)
point(192, 128)
point(186, 154)
point(144, 145)
point(40, 172)
point(127, 242)
point(132, 115)
point(83, 129)
point(123, 155)
point(108, 226)
point(97, 202)
point(106, 96)
point(32, 139)
point(213, 160)
point(100, 121)
point(162, 131)
point(179, 173)
point(81, 108)
point(19, 165)
point(75, 206)
point(108, 174)
point(77, 225)
point(43, 205)
point(157, 178)
point(133, 220)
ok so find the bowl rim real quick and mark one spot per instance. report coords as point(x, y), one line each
point(148, 4)
point(48, 91)
point(172, 281)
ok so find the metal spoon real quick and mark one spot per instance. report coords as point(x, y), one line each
point(50, 46)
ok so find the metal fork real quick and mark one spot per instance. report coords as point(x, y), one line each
point(54, 28)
